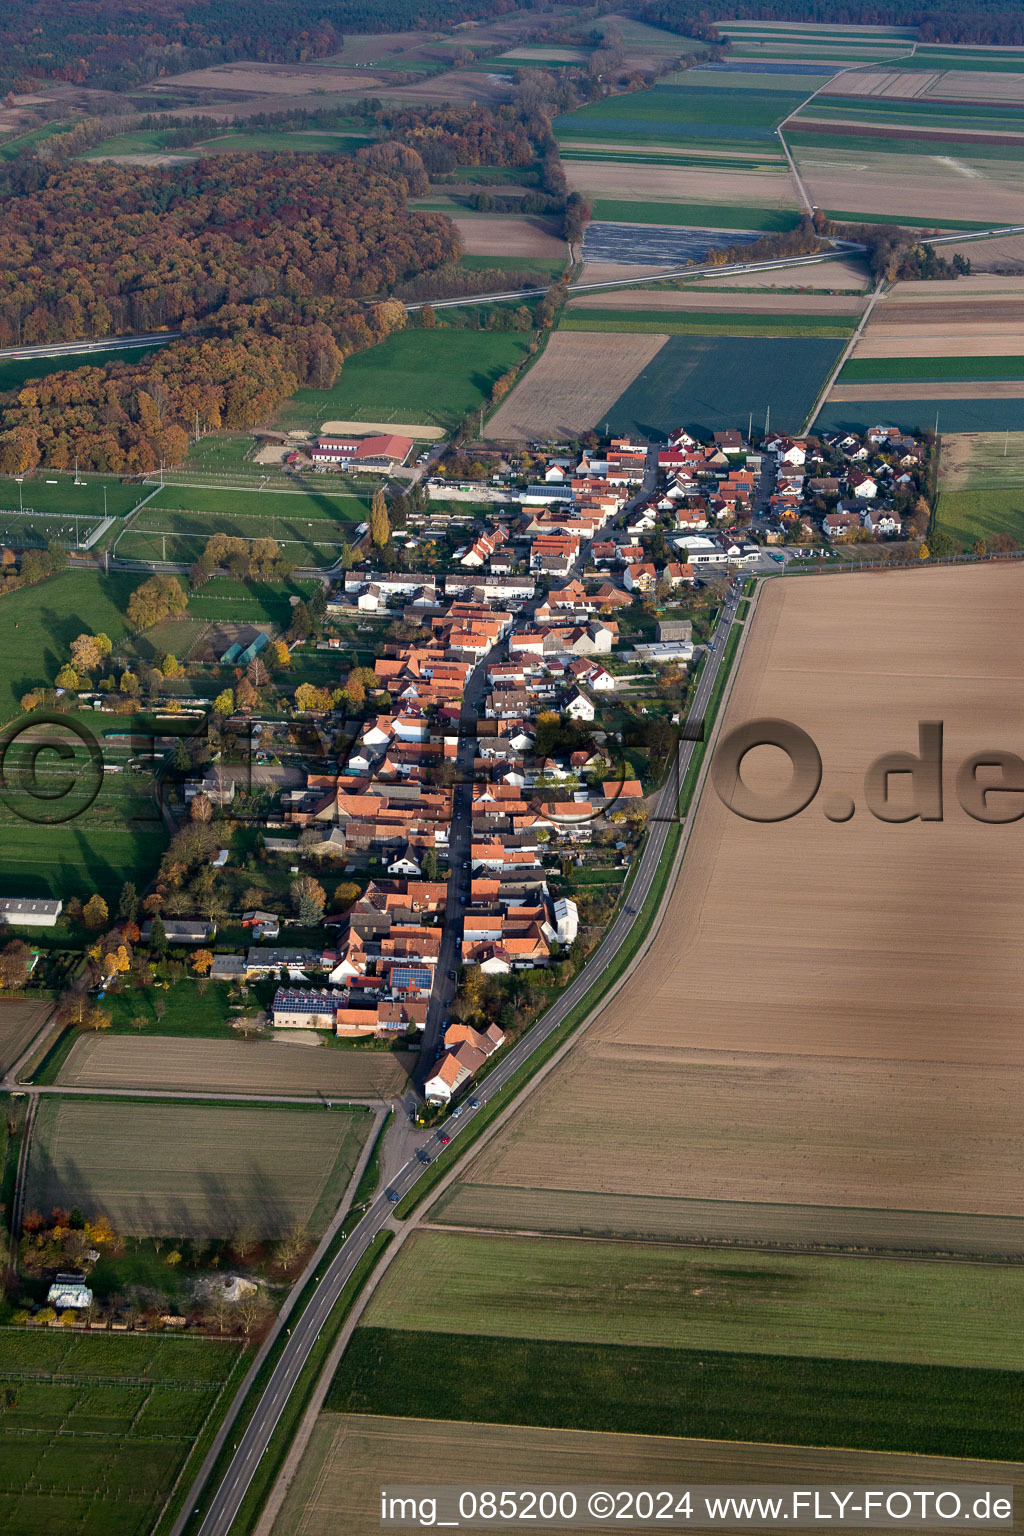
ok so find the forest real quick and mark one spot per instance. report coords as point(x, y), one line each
point(273, 256)
point(117, 44)
point(948, 21)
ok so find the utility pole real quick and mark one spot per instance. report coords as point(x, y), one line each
point(767, 418)
point(1006, 443)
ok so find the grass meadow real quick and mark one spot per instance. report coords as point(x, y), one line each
point(870, 370)
point(100, 1427)
point(718, 1299)
point(16, 371)
point(433, 377)
point(706, 323)
point(57, 494)
point(971, 515)
point(860, 1404)
point(709, 215)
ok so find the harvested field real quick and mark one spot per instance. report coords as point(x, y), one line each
point(664, 1296)
point(829, 274)
point(202, 1170)
point(509, 235)
point(683, 184)
point(914, 186)
point(577, 378)
point(234, 1066)
point(20, 1022)
point(753, 1225)
point(971, 85)
point(1002, 255)
point(980, 320)
point(337, 1486)
point(870, 82)
point(686, 299)
point(992, 389)
point(403, 428)
point(878, 1065)
point(614, 272)
point(651, 152)
point(273, 79)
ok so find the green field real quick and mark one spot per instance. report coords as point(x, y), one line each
point(112, 843)
point(310, 527)
point(430, 377)
point(58, 494)
point(33, 532)
point(202, 1170)
point(548, 264)
point(256, 602)
point(800, 139)
point(38, 624)
point(706, 322)
point(100, 1427)
point(971, 515)
point(869, 370)
point(695, 1393)
point(766, 158)
point(712, 382)
point(716, 1299)
point(16, 371)
point(703, 215)
point(301, 143)
point(141, 141)
point(845, 216)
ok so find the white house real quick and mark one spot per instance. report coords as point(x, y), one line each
point(23, 911)
point(567, 919)
point(579, 707)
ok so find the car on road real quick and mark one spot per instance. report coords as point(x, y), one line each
point(457, 1111)
point(422, 1157)
point(445, 1140)
point(452, 976)
point(471, 1104)
point(393, 1196)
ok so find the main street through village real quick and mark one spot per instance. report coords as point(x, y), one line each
point(334, 1274)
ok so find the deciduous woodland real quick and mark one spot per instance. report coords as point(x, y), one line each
point(112, 44)
point(270, 254)
point(948, 21)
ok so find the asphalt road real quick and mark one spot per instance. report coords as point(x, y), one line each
point(255, 1438)
point(95, 344)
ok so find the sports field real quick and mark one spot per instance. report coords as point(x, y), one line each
point(59, 496)
point(706, 1394)
point(883, 1066)
point(98, 1428)
point(232, 1066)
point(202, 1170)
point(312, 528)
point(435, 376)
point(712, 1298)
point(338, 1482)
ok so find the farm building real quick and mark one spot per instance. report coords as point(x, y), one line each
point(306, 1010)
point(28, 913)
point(382, 451)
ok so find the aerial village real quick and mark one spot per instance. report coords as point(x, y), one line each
point(480, 791)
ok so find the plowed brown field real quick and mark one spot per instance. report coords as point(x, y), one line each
point(580, 375)
point(234, 1066)
point(831, 1013)
point(338, 1483)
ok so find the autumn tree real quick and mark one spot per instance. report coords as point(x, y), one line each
point(159, 598)
point(95, 912)
point(202, 960)
point(345, 894)
point(15, 965)
point(224, 703)
point(309, 899)
point(380, 525)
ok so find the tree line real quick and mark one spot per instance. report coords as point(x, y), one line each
point(982, 21)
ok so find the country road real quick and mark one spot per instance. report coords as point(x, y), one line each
point(254, 1440)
